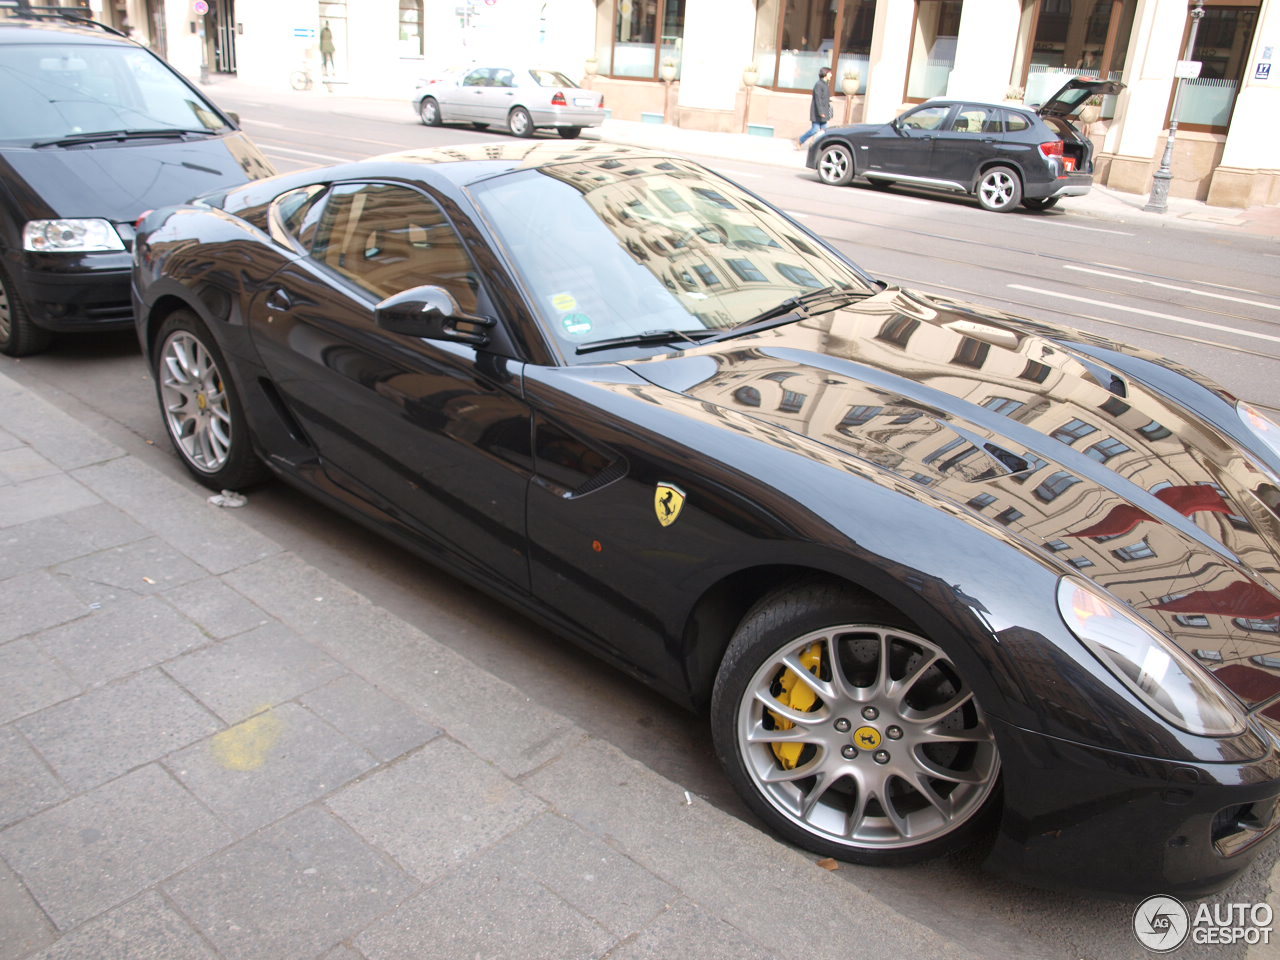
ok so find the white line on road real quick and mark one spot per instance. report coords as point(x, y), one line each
point(1076, 226)
point(743, 174)
point(1148, 313)
point(328, 158)
point(337, 136)
point(1203, 283)
point(1171, 286)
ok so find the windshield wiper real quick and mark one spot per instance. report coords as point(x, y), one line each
point(647, 338)
point(100, 136)
point(794, 308)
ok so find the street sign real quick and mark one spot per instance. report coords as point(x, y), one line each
point(200, 8)
point(1187, 69)
point(1263, 72)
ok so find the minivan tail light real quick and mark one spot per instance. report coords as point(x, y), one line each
point(1052, 149)
point(558, 100)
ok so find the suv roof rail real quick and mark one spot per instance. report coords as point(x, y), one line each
point(25, 10)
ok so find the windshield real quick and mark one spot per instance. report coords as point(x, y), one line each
point(621, 247)
point(55, 91)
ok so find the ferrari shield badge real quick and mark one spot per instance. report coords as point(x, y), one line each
point(668, 500)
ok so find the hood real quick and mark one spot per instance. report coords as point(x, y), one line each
point(1074, 93)
point(1104, 477)
point(120, 181)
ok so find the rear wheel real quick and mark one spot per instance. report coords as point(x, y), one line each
point(520, 123)
point(568, 132)
point(201, 407)
point(1041, 203)
point(429, 111)
point(999, 189)
point(835, 165)
point(19, 336)
point(851, 734)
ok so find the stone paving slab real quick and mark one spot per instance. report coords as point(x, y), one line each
point(44, 542)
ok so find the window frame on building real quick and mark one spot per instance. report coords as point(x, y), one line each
point(838, 40)
point(659, 41)
point(417, 7)
point(1241, 76)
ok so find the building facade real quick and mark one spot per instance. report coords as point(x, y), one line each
point(748, 65)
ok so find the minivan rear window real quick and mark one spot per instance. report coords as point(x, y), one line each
point(55, 91)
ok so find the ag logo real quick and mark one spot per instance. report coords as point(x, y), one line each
point(1161, 923)
point(668, 501)
point(866, 738)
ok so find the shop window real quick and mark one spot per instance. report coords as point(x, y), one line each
point(933, 48)
point(646, 32)
point(1056, 485)
point(1072, 431)
point(857, 416)
point(1072, 38)
point(796, 38)
point(1223, 44)
point(1104, 450)
point(411, 28)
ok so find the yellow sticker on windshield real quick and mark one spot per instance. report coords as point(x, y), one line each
point(564, 302)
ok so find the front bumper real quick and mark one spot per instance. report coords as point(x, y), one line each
point(71, 293)
point(1110, 824)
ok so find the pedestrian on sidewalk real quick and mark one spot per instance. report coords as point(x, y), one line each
point(819, 107)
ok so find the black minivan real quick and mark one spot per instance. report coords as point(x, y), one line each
point(95, 130)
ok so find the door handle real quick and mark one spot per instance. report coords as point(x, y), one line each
point(278, 300)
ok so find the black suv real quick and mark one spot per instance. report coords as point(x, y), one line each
point(95, 130)
point(1000, 153)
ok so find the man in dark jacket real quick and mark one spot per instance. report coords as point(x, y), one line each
point(819, 107)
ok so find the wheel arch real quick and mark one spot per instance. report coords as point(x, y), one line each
point(987, 164)
point(160, 310)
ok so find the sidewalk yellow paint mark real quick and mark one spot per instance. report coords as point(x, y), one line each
point(246, 745)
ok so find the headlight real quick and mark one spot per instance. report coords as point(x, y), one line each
point(70, 236)
point(1162, 676)
point(1264, 428)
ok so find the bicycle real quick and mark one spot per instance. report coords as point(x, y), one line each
point(300, 79)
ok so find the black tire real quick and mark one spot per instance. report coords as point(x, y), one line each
point(835, 165)
point(520, 123)
point(999, 189)
point(19, 335)
point(569, 133)
point(1039, 203)
point(201, 407)
point(479, 126)
point(872, 732)
point(429, 111)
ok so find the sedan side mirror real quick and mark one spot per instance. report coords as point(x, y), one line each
point(431, 313)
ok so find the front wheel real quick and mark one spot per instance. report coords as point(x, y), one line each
point(851, 734)
point(429, 111)
point(19, 335)
point(201, 407)
point(835, 165)
point(1041, 203)
point(999, 189)
point(520, 123)
point(568, 133)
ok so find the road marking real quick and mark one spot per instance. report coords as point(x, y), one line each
point(1148, 313)
point(1171, 286)
point(306, 153)
point(1076, 226)
point(338, 136)
point(1203, 283)
point(264, 123)
point(743, 174)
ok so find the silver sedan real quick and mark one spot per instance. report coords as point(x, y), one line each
point(522, 99)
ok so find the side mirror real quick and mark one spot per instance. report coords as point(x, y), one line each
point(431, 313)
point(235, 117)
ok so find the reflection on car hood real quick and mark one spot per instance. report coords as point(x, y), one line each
point(120, 181)
point(1111, 479)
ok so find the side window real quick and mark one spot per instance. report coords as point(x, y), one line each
point(504, 78)
point(927, 118)
point(477, 78)
point(1015, 122)
point(295, 214)
point(976, 120)
point(387, 239)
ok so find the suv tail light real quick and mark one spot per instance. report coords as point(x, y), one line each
point(558, 100)
point(601, 101)
point(1052, 149)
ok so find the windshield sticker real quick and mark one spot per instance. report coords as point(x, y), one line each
point(564, 302)
point(576, 324)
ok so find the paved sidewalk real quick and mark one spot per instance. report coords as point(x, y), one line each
point(1101, 202)
point(211, 749)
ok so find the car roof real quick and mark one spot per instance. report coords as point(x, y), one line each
point(949, 101)
point(60, 29)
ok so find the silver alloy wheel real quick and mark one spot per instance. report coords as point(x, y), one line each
point(6, 314)
point(998, 189)
point(519, 122)
point(833, 167)
point(429, 111)
point(894, 751)
point(194, 400)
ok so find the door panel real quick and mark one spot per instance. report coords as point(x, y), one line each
point(434, 433)
point(973, 134)
point(908, 150)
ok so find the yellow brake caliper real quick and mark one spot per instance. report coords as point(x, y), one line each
point(797, 696)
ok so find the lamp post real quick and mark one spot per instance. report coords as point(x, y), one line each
point(1158, 202)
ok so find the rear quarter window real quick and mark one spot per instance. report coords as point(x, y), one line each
point(551, 78)
point(1016, 123)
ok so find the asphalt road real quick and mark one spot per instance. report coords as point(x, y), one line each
point(1207, 298)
